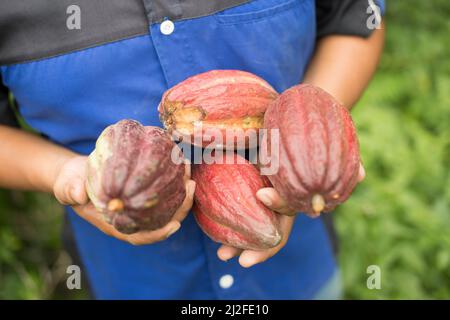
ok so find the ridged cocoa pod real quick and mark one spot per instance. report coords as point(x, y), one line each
point(318, 149)
point(215, 103)
point(226, 207)
point(132, 179)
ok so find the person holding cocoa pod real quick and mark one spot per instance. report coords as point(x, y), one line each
point(75, 75)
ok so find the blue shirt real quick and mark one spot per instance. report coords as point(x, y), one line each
point(73, 96)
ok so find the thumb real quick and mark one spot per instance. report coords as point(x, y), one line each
point(69, 186)
point(71, 192)
point(272, 200)
point(78, 192)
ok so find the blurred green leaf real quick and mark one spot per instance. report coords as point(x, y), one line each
point(399, 217)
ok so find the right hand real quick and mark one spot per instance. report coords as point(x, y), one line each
point(69, 189)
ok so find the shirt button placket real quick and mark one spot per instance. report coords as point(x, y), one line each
point(171, 42)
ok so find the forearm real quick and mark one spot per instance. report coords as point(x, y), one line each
point(344, 65)
point(29, 162)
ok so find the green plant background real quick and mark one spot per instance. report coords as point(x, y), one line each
point(398, 219)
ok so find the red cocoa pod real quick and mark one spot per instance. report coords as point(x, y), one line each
point(226, 207)
point(215, 105)
point(132, 179)
point(318, 151)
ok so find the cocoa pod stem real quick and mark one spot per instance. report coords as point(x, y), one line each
point(115, 205)
point(318, 203)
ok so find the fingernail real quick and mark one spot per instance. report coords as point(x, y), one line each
point(226, 258)
point(264, 198)
point(173, 230)
point(245, 262)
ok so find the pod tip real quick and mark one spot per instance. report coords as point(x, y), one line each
point(318, 203)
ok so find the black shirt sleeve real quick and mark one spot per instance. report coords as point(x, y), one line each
point(345, 17)
point(7, 116)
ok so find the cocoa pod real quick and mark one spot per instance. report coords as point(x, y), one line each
point(226, 207)
point(131, 178)
point(217, 104)
point(318, 152)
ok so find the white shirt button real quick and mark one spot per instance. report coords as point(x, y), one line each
point(167, 27)
point(226, 281)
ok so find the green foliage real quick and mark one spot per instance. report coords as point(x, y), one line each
point(29, 245)
point(399, 218)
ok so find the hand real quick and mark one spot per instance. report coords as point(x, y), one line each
point(69, 189)
point(248, 258)
point(272, 200)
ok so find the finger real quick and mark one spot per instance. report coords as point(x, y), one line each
point(148, 237)
point(285, 223)
point(249, 258)
point(362, 173)
point(60, 190)
point(272, 200)
point(64, 194)
point(71, 192)
point(225, 252)
point(183, 210)
point(78, 192)
point(187, 168)
point(60, 195)
point(86, 210)
point(89, 213)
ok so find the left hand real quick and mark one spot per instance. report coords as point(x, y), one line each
point(272, 200)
